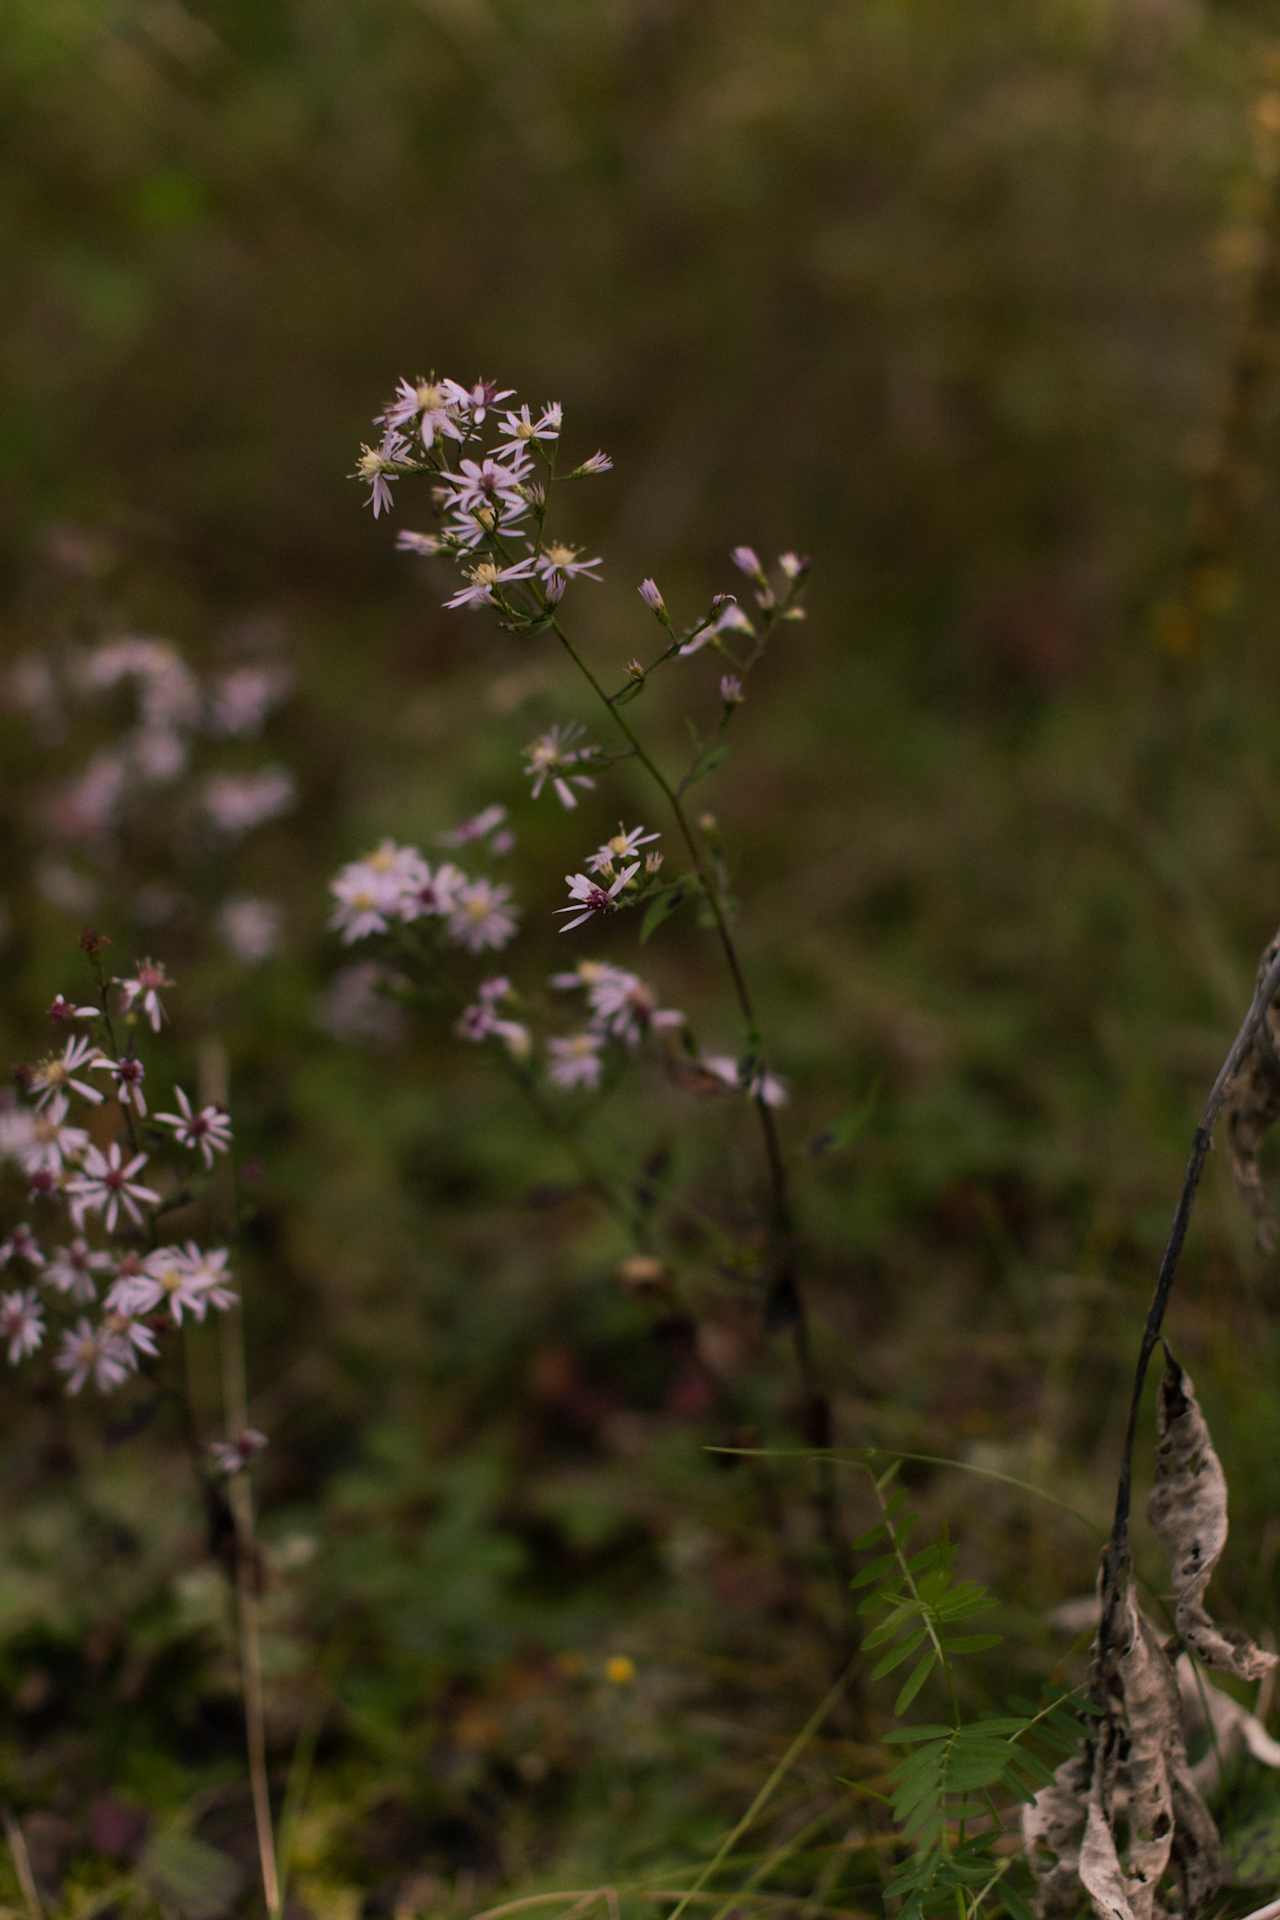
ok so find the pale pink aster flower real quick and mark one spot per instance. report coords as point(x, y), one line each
point(245, 696)
point(428, 402)
point(207, 1131)
point(134, 1336)
point(239, 802)
point(71, 1270)
point(479, 827)
point(61, 1010)
point(767, 1087)
point(575, 1061)
point(21, 1245)
point(731, 690)
point(128, 1074)
point(482, 916)
point(651, 593)
point(550, 757)
point(625, 842)
point(585, 974)
point(425, 890)
point(233, 1456)
point(208, 1268)
point(558, 563)
point(498, 987)
point(732, 619)
point(484, 577)
point(747, 561)
point(479, 1022)
point(146, 986)
point(250, 927)
point(623, 1006)
point(89, 1352)
point(588, 897)
point(488, 483)
point(21, 1323)
point(379, 466)
point(477, 399)
point(50, 1076)
point(423, 544)
point(17, 1128)
point(163, 1280)
point(794, 565)
point(366, 901)
point(52, 1142)
point(598, 463)
point(106, 1185)
point(520, 428)
point(83, 808)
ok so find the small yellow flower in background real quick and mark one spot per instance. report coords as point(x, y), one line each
point(619, 1670)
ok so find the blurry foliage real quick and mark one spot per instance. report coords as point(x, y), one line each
point(944, 295)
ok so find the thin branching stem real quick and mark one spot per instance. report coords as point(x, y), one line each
point(1117, 1553)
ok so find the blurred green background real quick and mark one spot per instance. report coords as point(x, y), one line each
point(978, 306)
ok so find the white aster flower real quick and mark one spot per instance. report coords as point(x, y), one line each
point(484, 577)
point(625, 842)
point(482, 916)
point(146, 986)
point(558, 564)
point(490, 483)
point(239, 802)
point(60, 1070)
point(208, 1269)
point(623, 1006)
point(61, 1010)
point(575, 1061)
point(550, 757)
point(128, 1073)
point(89, 1352)
point(206, 1131)
point(21, 1323)
point(479, 827)
point(250, 927)
point(598, 463)
point(134, 1337)
point(366, 897)
point(107, 1184)
point(427, 890)
point(423, 544)
point(71, 1270)
point(52, 1142)
point(477, 400)
point(379, 466)
point(588, 898)
point(520, 428)
point(21, 1245)
point(429, 403)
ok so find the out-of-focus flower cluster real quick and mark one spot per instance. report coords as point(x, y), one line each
point(165, 778)
point(88, 1276)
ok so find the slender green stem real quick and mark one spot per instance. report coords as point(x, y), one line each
point(785, 1305)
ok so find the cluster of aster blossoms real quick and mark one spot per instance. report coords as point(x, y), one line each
point(165, 723)
point(492, 464)
point(397, 886)
point(87, 1275)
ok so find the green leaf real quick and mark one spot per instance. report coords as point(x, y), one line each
point(915, 1682)
point(932, 1731)
point(663, 905)
point(905, 1610)
point(970, 1642)
point(903, 1651)
point(873, 1570)
point(706, 763)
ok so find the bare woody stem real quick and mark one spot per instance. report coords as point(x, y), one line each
point(1118, 1547)
point(785, 1304)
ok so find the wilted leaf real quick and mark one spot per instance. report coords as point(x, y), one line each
point(1052, 1829)
point(1253, 1106)
point(1189, 1512)
point(1101, 1874)
point(1233, 1729)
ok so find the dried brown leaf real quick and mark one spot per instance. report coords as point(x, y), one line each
point(1189, 1512)
point(1142, 1685)
point(1101, 1874)
point(1052, 1829)
point(1253, 1107)
point(1232, 1728)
